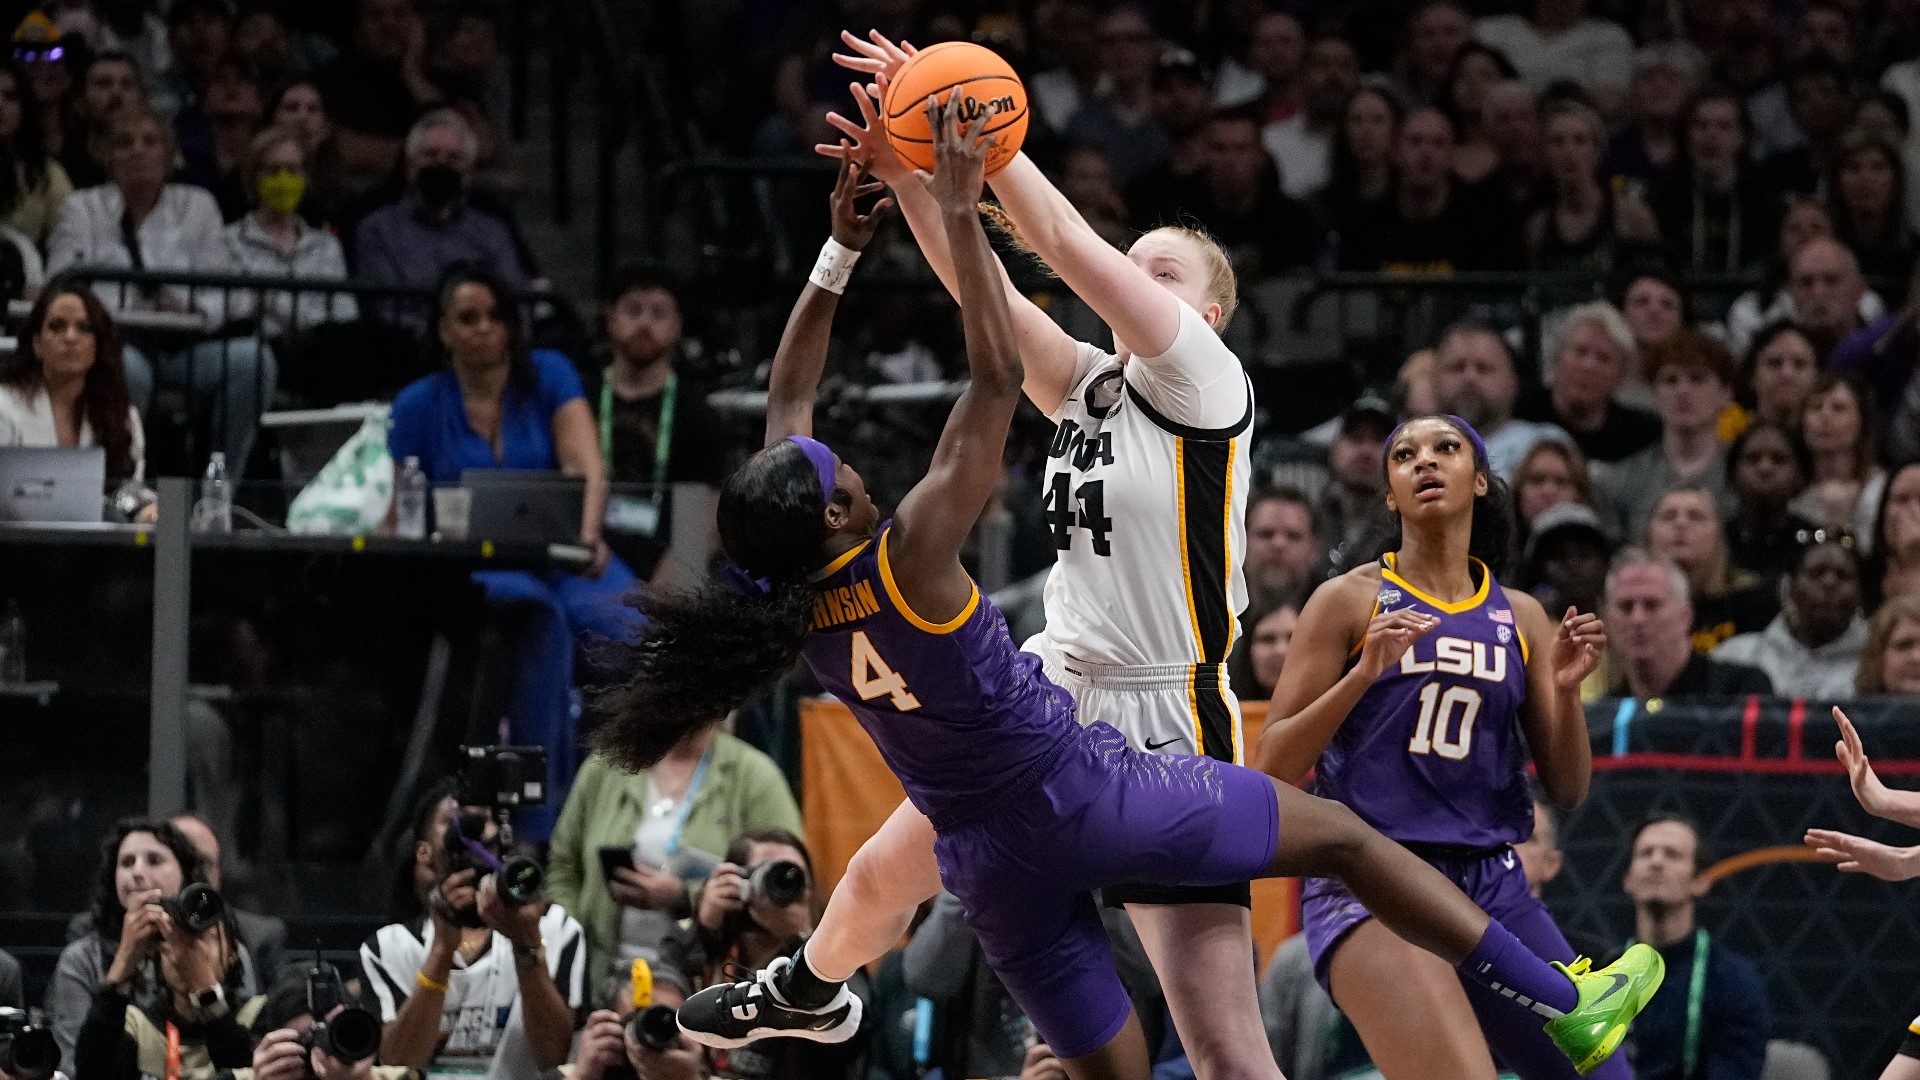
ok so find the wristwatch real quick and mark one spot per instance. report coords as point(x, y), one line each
point(211, 1002)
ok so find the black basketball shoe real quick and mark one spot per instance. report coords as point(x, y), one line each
point(731, 1015)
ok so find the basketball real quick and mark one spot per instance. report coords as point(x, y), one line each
point(989, 85)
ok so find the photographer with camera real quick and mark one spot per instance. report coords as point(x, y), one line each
point(310, 1030)
point(760, 903)
point(162, 951)
point(639, 1039)
point(490, 977)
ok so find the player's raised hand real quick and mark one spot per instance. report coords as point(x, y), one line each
point(851, 228)
point(1858, 855)
point(1389, 636)
point(875, 55)
point(959, 155)
point(865, 142)
point(1875, 797)
point(1576, 648)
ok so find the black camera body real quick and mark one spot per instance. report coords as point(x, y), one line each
point(352, 1034)
point(499, 779)
point(27, 1051)
point(503, 777)
point(196, 909)
point(777, 881)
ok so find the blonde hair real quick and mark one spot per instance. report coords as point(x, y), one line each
point(274, 135)
point(1872, 676)
point(1223, 287)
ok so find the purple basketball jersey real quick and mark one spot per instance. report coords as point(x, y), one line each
point(1433, 752)
point(961, 715)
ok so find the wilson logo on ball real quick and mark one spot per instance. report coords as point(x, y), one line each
point(987, 87)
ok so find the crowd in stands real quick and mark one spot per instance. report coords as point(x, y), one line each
point(1734, 486)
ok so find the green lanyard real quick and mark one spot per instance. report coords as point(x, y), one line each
point(1696, 987)
point(663, 441)
point(1696, 993)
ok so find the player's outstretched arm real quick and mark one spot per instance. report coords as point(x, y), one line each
point(1047, 351)
point(1140, 312)
point(1314, 695)
point(935, 517)
point(1560, 655)
point(802, 354)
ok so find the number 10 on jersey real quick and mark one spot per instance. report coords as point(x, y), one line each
point(1084, 507)
point(1435, 732)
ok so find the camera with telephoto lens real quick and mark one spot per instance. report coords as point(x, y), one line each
point(779, 881)
point(196, 908)
point(352, 1034)
point(27, 1051)
point(499, 779)
point(656, 1027)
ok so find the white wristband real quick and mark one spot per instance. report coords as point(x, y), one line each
point(834, 267)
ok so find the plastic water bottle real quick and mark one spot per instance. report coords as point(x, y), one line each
point(13, 646)
point(410, 502)
point(215, 510)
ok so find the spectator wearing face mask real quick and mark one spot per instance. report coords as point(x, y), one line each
point(433, 226)
point(1812, 648)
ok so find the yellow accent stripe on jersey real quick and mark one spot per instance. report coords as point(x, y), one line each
point(840, 563)
point(1471, 602)
point(900, 602)
point(1186, 582)
point(1525, 656)
point(1226, 566)
point(1234, 719)
point(1371, 615)
point(1915, 1026)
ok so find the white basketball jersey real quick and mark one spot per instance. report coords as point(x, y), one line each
point(1148, 518)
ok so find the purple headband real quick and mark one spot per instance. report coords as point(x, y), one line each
point(1479, 444)
point(823, 463)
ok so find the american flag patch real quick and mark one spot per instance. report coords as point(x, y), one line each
point(1501, 614)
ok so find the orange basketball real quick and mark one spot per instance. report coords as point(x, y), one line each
point(939, 71)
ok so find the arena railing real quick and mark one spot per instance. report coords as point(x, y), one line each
point(333, 341)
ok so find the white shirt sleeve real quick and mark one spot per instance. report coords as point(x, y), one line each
point(566, 954)
point(1086, 358)
point(1197, 382)
point(391, 958)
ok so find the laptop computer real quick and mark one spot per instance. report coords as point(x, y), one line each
point(523, 505)
point(52, 483)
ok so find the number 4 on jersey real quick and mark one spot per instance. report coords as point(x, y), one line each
point(1090, 514)
point(872, 677)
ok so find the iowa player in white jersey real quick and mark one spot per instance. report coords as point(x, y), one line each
point(1146, 496)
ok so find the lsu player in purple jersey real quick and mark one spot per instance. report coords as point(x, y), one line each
point(1429, 745)
point(1030, 810)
